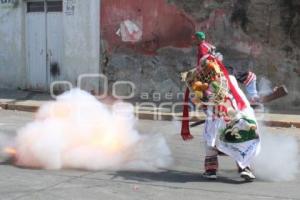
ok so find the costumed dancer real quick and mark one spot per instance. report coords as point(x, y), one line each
point(230, 126)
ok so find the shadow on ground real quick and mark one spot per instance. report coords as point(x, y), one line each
point(172, 176)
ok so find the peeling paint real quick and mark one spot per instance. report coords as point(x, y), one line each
point(163, 24)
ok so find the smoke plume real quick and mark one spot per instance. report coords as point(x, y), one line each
point(77, 131)
point(278, 159)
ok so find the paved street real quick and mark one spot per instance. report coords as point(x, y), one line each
point(182, 180)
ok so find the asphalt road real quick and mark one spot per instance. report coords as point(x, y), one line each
point(180, 181)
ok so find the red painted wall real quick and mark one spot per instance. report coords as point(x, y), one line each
point(162, 24)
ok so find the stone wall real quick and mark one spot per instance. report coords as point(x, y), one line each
point(262, 35)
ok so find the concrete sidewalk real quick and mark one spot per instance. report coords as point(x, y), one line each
point(30, 102)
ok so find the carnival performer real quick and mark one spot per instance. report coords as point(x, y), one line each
point(230, 126)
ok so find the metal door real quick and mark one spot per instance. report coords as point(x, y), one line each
point(44, 37)
point(36, 46)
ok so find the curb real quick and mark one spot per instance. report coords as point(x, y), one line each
point(19, 107)
point(148, 115)
point(282, 124)
point(170, 117)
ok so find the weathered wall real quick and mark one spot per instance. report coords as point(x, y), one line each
point(12, 54)
point(153, 63)
point(265, 34)
point(162, 24)
point(82, 43)
point(262, 35)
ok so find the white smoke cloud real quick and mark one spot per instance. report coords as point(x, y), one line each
point(279, 156)
point(264, 86)
point(77, 131)
point(278, 159)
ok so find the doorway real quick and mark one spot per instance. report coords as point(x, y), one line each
point(44, 43)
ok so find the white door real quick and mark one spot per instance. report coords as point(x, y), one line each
point(44, 39)
point(36, 46)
